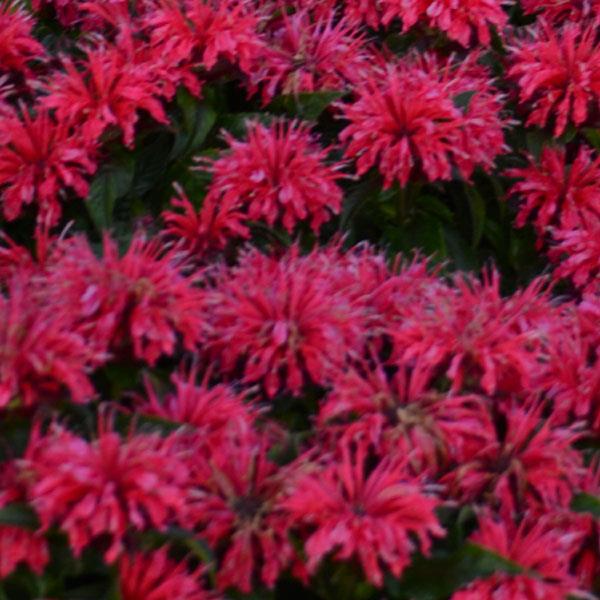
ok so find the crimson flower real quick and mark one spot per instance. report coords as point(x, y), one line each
point(17, 45)
point(577, 252)
point(568, 194)
point(18, 545)
point(532, 464)
point(142, 297)
point(558, 11)
point(407, 120)
point(108, 89)
point(368, 514)
point(42, 353)
point(284, 319)
point(155, 576)
point(539, 546)
point(278, 174)
point(309, 53)
point(461, 20)
point(40, 159)
point(234, 505)
point(558, 74)
point(105, 487)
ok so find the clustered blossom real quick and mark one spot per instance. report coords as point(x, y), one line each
point(250, 389)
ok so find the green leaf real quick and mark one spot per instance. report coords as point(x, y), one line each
point(477, 210)
point(111, 183)
point(305, 105)
point(593, 137)
point(198, 119)
point(586, 503)
point(535, 141)
point(463, 100)
point(19, 515)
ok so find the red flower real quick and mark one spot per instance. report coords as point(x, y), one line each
point(558, 73)
point(219, 221)
point(278, 174)
point(558, 11)
point(38, 161)
point(539, 546)
point(19, 545)
point(155, 577)
point(461, 20)
point(140, 298)
point(403, 412)
point(106, 487)
point(235, 507)
point(371, 515)
point(41, 352)
point(286, 319)
point(557, 192)
point(407, 121)
point(109, 89)
point(17, 45)
point(532, 464)
point(482, 341)
point(309, 53)
point(577, 252)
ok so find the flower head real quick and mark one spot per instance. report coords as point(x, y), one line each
point(278, 174)
point(408, 121)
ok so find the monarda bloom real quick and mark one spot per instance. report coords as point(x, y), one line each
point(42, 353)
point(424, 118)
point(284, 320)
point(22, 546)
point(577, 254)
point(558, 11)
point(18, 47)
point(278, 175)
point(235, 508)
point(107, 89)
point(374, 514)
point(309, 54)
point(558, 74)
point(107, 486)
point(464, 21)
point(558, 193)
point(154, 576)
point(40, 159)
point(539, 546)
point(141, 299)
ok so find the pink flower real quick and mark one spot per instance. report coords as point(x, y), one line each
point(309, 53)
point(18, 47)
point(40, 159)
point(107, 89)
point(371, 514)
point(539, 546)
point(285, 320)
point(235, 507)
point(18, 545)
point(279, 175)
point(407, 121)
point(155, 576)
point(141, 298)
point(464, 21)
point(558, 11)
point(558, 74)
point(557, 192)
point(106, 487)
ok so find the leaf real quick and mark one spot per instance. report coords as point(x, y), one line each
point(477, 210)
point(111, 183)
point(463, 100)
point(306, 105)
point(586, 503)
point(593, 137)
point(198, 119)
point(535, 142)
point(19, 515)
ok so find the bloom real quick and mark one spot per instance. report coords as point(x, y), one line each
point(461, 20)
point(278, 174)
point(370, 514)
point(40, 159)
point(107, 486)
point(407, 120)
point(284, 319)
point(559, 193)
point(558, 73)
point(558, 11)
point(155, 576)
